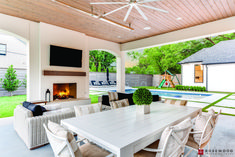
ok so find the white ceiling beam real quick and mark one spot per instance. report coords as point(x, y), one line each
point(223, 26)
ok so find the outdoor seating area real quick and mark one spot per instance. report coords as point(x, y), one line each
point(117, 78)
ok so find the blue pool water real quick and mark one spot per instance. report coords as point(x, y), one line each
point(173, 94)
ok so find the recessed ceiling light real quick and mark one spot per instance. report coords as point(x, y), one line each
point(119, 37)
point(179, 18)
point(147, 28)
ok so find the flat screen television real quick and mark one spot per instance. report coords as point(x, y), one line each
point(62, 56)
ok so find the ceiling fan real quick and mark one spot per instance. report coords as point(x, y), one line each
point(132, 3)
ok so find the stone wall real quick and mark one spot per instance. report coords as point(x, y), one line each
point(132, 80)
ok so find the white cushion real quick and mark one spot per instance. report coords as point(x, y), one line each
point(171, 143)
point(119, 103)
point(52, 112)
point(113, 96)
point(58, 130)
point(51, 107)
point(81, 110)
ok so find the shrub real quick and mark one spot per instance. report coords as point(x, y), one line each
point(190, 88)
point(203, 88)
point(142, 96)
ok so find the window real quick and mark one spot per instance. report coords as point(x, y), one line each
point(198, 74)
point(3, 49)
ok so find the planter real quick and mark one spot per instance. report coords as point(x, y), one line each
point(143, 109)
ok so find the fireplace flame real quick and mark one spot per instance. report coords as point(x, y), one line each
point(64, 93)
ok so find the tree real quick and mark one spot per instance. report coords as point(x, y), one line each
point(11, 83)
point(99, 67)
point(158, 59)
point(93, 67)
point(100, 58)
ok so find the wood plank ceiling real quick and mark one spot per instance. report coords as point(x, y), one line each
point(191, 12)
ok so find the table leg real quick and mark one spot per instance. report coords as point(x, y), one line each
point(126, 152)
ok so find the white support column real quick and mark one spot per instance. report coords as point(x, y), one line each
point(34, 58)
point(121, 72)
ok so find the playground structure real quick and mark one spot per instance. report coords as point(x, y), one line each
point(168, 79)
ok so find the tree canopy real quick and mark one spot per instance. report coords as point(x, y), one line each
point(158, 59)
point(100, 60)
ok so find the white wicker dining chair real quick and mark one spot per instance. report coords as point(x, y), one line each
point(62, 147)
point(172, 142)
point(205, 134)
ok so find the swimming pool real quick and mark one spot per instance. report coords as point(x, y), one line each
point(182, 95)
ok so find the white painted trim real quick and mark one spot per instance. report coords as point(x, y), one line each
point(200, 31)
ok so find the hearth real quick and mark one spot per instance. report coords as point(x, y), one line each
point(64, 90)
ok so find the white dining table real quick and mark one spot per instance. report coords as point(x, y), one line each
point(124, 132)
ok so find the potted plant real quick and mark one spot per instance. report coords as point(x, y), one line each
point(142, 97)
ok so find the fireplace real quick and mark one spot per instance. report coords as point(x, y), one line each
point(64, 90)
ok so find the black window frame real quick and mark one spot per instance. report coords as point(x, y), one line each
point(1, 52)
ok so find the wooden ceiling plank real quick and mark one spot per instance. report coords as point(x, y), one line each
point(226, 7)
point(193, 10)
point(207, 6)
point(185, 9)
point(201, 10)
point(215, 9)
point(186, 21)
point(231, 5)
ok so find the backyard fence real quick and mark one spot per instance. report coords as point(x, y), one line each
point(132, 80)
point(20, 75)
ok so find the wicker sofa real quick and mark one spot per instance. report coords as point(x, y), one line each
point(30, 128)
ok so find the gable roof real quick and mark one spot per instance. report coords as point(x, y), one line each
point(221, 53)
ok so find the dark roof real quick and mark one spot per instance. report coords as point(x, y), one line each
point(223, 52)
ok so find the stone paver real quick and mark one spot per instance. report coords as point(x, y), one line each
point(224, 110)
point(196, 104)
point(227, 103)
point(212, 98)
point(231, 97)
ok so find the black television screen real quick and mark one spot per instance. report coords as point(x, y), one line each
point(62, 56)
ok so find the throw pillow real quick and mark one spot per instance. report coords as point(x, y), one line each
point(181, 102)
point(58, 130)
point(36, 109)
point(113, 96)
point(81, 110)
point(120, 103)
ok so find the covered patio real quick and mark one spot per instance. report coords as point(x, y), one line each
point(86, 26)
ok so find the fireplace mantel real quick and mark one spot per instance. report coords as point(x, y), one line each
point(63, 73)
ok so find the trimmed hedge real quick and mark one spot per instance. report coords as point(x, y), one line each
point(190, 88)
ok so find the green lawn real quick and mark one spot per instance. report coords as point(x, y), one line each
point(8, 104)
point(94, 98)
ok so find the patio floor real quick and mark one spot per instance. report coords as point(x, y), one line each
point(11, 145)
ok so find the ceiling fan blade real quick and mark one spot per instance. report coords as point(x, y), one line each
point(109, 3)
point(146, 1)
point(141, 12)
point(128, 13)
point(150, 7)
point(115, 10)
